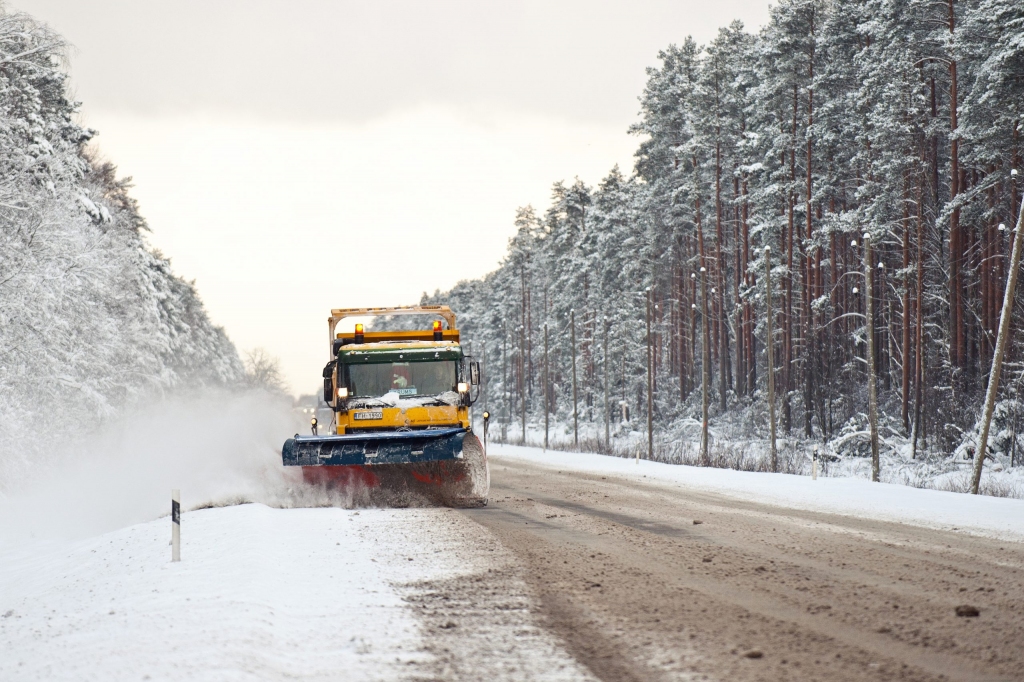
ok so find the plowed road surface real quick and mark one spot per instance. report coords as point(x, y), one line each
point(644, 581)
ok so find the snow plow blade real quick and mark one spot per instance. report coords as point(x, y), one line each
point(445, 466)
point(379, 447)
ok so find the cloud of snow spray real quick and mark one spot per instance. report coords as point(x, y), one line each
point(217, 447)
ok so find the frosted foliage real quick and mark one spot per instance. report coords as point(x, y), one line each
point(896, 119)
point(90, 318)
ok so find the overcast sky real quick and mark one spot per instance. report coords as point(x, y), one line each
point(297, 156)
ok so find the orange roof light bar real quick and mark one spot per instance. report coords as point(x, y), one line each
point(449, 331)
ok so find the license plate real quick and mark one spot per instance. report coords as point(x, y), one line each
point(374, 414)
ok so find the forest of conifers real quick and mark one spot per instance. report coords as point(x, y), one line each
point(899, 119)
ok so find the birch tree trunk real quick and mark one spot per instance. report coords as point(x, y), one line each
point(997, 357)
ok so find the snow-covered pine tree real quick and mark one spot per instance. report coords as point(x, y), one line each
point(833, 120)
point(90, 318)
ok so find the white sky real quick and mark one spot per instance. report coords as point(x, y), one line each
point(294, 156)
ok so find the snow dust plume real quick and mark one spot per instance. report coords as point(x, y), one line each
point(218, 447)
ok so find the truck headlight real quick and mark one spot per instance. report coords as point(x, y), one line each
point(463, 387)
point(342, 392)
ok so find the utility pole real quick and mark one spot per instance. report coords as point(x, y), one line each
point(607, 418)
point(547, 407)
point(575, 414)
point(869, 295)
point(997, 357)
point(650, 383)
point(504, 382)
point(770, 346)
point(522, 378)
point(705, 370)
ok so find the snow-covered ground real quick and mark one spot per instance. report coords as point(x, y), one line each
point(992, 516)
point(261, 594)
point(268, 593)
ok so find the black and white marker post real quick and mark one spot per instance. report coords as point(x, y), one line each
point(175, 525)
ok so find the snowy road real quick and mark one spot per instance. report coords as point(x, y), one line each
point(581, 568)
point(651, 580)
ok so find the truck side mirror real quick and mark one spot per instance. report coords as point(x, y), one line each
point(474, 373)
point(329, 381)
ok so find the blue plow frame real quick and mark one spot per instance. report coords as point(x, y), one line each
point(378, 447)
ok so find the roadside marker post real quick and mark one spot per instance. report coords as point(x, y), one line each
point(175, 525)
point(487, 418)
point(814, 465)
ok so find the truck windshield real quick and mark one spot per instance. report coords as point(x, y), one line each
point(404, 378)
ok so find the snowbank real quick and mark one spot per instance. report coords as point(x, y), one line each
point(991, 516)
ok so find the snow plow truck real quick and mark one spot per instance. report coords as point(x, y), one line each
point(401, 424)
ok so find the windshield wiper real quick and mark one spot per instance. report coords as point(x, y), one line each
point(423, 400)
point(368, 402)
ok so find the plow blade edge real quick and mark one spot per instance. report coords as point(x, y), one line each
point(375, 448)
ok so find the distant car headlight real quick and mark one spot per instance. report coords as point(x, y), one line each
point(463, 387)
point(342, 392)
